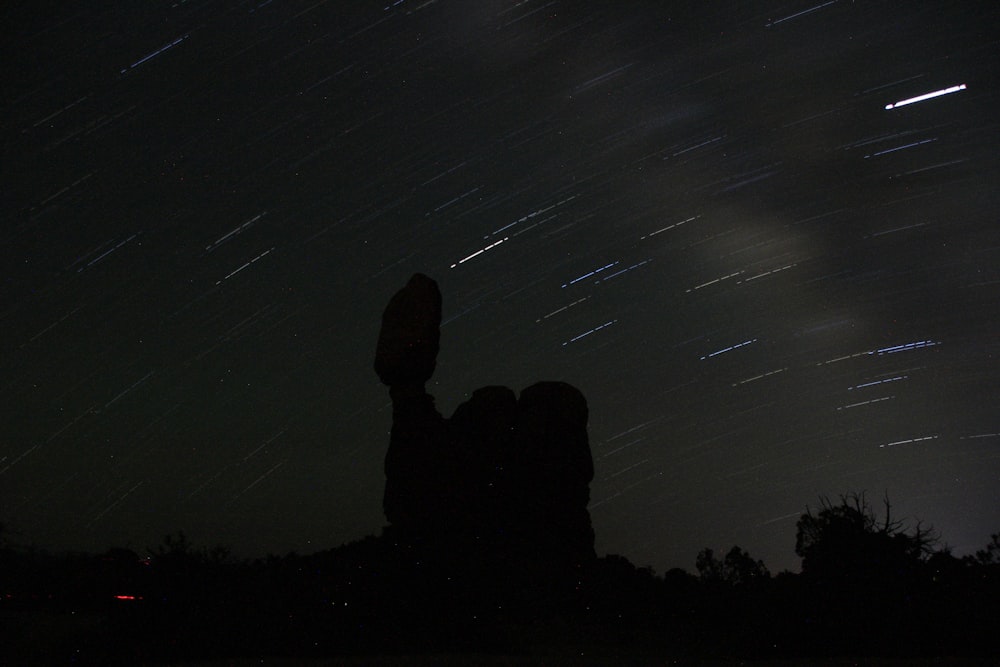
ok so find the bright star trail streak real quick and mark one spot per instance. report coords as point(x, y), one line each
point(226, 237)
point(668, 227)
point(860, 403)
point(252, 261)
point(478, 252)
point(907, 347)
point(695, 147)
point(926, 96)
point(716, 280)
point(906, 442)
point(759, 377)
point(729, 349)
point(878, 382)
point(587, 333)
point(767, 273)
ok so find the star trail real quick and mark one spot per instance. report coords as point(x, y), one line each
point(761, 238)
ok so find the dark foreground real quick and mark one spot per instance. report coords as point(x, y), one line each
point(373, 603)
point(68, 638)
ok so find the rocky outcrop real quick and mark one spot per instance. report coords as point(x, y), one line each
point(505, 477)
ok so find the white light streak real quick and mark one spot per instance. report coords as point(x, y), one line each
point(222, 239)
point(479, 252)
point(906, 442)
point(255, 259)
point(925, 96)
point(759, 377)
point(874, 400)
point(625, 446)
point(587, 333)
point(600, 79)
point(712, 282)
point(846, 356)
point(766, 273)
point(633, 429)
point(626, 469)
point(668, 227)
point(872, 384)
point(691, 148)
point(728, 349)
point(884, 350)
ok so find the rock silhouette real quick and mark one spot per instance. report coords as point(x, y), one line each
point(505, 480)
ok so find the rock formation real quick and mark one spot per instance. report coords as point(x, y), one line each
point(505, 479)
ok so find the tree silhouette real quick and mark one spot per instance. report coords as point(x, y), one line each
point(847, 541)
point(737, 568)
point(991, 554)
point(861, 572)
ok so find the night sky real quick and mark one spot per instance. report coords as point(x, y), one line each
point(769, 285)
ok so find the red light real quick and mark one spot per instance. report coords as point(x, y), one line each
point(128, 597)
